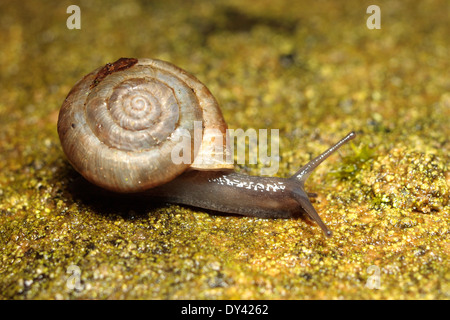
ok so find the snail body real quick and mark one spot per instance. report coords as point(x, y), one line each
point(119, 125)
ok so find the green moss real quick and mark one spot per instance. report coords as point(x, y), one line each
point(352, 164)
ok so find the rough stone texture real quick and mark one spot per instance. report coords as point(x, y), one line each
point(310, 69)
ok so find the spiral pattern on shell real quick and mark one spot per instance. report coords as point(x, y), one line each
point(120, 123)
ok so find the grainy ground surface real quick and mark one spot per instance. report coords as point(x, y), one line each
point(314, 71)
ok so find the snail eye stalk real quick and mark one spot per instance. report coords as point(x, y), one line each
point(302, 175)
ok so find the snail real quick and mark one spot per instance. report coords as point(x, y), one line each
point(119, 125)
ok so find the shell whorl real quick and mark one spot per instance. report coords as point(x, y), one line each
point(120, 123)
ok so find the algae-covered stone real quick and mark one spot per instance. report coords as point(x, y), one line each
point(410, 180)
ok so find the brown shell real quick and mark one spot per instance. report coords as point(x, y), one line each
point(119, 124)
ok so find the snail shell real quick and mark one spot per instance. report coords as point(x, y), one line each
point(120, 123)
